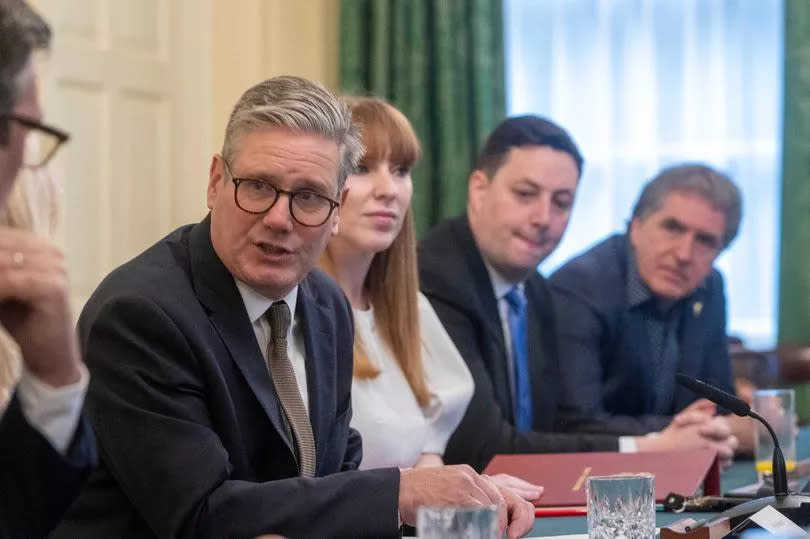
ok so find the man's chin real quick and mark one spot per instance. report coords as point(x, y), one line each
point(530, 260)
point(275, 285)
point(669, 292)
point(517, 271)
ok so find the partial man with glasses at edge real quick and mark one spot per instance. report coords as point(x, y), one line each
point(46, 448)
point(222, 361)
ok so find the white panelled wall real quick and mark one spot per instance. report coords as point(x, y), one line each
point(145, 87)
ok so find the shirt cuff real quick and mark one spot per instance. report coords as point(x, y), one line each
point(627, 444)
point(54, 412)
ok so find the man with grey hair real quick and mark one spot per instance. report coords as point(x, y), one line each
point(46, 448)
point(638, 308)
point(222, 362)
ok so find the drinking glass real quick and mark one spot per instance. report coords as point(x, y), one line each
point(621, 506)
point(777, 407)
point(457, 522)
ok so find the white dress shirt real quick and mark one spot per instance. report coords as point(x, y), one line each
point(54, 412)
point(256, 306)
point(395, 429)
point(501, 287)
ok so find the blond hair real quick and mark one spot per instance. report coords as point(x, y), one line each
point(33, 205)
point(392, 281)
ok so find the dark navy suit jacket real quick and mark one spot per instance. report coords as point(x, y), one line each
point(37, 484)
point(191, 434)
point(455, 280)
point(604, 345)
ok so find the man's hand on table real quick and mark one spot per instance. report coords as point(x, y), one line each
point(461, 486)
point(692, 429)
point(524, 489)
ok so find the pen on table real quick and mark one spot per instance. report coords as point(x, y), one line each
point(560, 511)
point(576, 511)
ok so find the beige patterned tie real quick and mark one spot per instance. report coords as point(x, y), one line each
point(281, 371)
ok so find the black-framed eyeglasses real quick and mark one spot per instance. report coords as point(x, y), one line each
point(42, 141)
point(259, 196)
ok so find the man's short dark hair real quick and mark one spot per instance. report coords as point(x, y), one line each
point(520, 131)
point(22, 31)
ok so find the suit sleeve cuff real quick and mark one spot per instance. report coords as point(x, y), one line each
point(54, 412)
point(627, 444)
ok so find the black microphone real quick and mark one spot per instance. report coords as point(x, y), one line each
point(715, 394)
point(741, 408)
point(794, 506)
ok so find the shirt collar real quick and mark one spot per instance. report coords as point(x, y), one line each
point(500, 286)
point(257, 304)
point(637, 290)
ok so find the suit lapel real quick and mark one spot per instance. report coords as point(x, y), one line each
point(490, 314)
point(319, 345)
point(691, 341)
point(217, 291)
point(542, 353)
point(638, 371)
point(482, 285)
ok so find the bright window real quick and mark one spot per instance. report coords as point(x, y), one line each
point(641, 84)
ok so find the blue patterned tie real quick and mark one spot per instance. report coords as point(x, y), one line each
point(523, 385)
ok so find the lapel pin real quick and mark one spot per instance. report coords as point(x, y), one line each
point(697, 307)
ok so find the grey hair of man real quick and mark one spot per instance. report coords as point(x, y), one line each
point(713, 186)
point(299, 105)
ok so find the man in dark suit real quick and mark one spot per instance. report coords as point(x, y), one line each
point(479, 272)
point(46, 448)
point(222, 366)
point(637, 308)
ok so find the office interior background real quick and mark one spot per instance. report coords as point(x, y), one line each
point(145, 87)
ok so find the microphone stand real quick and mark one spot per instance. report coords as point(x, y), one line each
point(778, 468)
point(796, 507)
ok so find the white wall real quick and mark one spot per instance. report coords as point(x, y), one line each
point(145, 88)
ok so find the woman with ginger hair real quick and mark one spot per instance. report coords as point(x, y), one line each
point(411, 386)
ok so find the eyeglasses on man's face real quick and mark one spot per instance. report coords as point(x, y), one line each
point(259, 196)
point(42, 141)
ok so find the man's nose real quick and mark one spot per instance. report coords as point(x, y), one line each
point(279, 216)
point(541, 212)
point(684, 249)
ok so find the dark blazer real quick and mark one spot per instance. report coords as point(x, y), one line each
point(192, 438)
point(453, 276)
point(605, 345)
point(37, 483)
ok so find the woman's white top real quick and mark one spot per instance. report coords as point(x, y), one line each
point(395, 429)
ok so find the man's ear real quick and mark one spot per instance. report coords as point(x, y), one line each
point(477, 185)
point(336, 220)
point(216, 173)
point(633, 233)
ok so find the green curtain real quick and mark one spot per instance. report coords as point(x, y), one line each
point(794, 272)
point(441, 63)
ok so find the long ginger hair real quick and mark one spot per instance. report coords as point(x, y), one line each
point(392, 281)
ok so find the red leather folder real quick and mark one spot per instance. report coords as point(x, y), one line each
point(563, 474)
